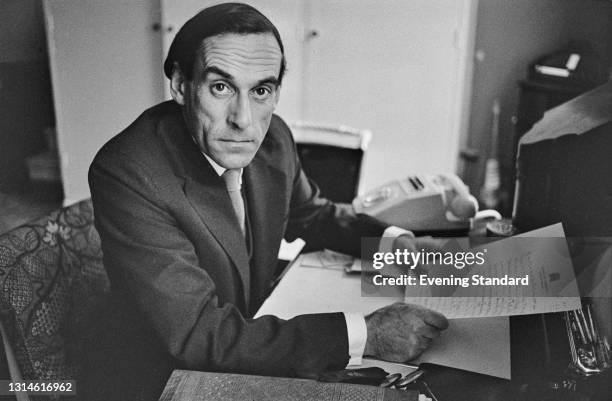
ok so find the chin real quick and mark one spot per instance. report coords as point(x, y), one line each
point(237, 162)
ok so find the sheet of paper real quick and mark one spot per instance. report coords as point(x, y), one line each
point(389, 367)
point(473, 307)
point(355, 267)
point(479, 345)
point(290, 250)
point(326, 259)
point(540, 259)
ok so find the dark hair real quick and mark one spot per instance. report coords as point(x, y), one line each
point(216, 20)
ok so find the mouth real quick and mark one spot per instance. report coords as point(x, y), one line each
point(234, 145)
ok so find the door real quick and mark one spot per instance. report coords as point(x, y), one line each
point(105, 70)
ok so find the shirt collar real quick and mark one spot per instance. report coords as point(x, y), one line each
point(219, 169)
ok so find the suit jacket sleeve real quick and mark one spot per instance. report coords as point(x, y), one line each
point(324, 224)
point(153, 265)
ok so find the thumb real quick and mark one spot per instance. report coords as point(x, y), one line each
point(429, 244)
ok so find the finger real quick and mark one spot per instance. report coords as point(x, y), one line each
point(429, 243)
point(435, 319)
point(428, 332)
point(407, 234)
point(422, 344)
point(425, 342)
point(405, 241)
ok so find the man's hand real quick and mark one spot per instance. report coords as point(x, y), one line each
point(415, 244)
point(401, 332)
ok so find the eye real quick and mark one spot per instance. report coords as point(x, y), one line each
point(262, 92)
point(220, 89)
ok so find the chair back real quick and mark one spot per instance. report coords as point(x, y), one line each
point(51, 278)
point(332, 156)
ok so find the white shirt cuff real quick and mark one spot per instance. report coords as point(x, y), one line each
point(357, 336)
point(392, 232)
point(356, 328)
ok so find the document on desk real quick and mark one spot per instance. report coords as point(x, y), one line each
point(313, 286)
point(327, 259)
point(545, 259)
point(480, 345)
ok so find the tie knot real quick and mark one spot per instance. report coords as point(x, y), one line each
point(232, 179)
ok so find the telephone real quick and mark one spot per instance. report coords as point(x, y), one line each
point(426, 203)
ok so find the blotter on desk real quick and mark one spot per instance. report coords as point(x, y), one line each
point(187, 385)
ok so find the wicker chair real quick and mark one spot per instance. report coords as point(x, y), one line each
point(51, 279)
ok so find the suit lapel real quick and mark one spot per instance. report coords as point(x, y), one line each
point(265, 201)
point(213, 205)
point(207, 194)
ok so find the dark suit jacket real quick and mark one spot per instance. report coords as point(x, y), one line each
point(179, 263)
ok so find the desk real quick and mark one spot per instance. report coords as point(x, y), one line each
point(311, 289)
point(479, 345)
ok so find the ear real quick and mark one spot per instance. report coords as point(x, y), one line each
point(177, 85)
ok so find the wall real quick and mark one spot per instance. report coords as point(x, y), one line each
point(106, 68)
point(22, 31)
point(25, 87)
point(397, 68)
point(509, 36)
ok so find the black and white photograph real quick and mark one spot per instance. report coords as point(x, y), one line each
point(306, 200)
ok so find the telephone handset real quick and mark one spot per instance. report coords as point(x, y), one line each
point(424, 203)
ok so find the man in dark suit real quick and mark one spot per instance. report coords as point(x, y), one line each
point(193, 199)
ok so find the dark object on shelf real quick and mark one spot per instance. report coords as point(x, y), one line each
point(552, 80)
point(578, 63)
point(563, 174)
point(564, 167)
point(535, 99)
point(574, 65)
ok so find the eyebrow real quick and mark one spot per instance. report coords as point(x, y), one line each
point(216, 70)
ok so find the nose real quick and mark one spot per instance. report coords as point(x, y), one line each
point(240, 113)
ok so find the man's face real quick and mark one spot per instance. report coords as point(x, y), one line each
point(229, 101)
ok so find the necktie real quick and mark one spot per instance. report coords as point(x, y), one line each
point(232, 182)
